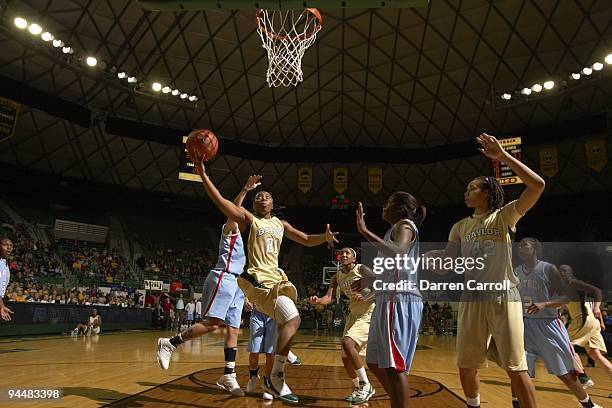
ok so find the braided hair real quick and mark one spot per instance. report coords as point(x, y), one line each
point(494, 191)
point(410, 207)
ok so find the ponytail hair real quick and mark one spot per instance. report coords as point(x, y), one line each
point(410, 207)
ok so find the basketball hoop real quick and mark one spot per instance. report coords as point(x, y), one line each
point(286, 35)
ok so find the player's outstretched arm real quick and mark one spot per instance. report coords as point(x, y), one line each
point(402, 237)
point(229, 209)
point(533, 182)
point(310, 240)
point(327, 299)
point(231, 227)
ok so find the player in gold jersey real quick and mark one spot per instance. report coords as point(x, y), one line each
point(357, 326)
point(263, 282)
point(492, 326)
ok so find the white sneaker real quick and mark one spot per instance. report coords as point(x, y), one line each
point(366, 391)
point(276, 386)
point(164, 352)
point(267, 396)
point(228, 383)
point(252, 385)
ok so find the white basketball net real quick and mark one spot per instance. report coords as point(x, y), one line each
point(286, 35)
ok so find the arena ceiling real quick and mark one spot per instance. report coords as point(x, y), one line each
point(397, 78)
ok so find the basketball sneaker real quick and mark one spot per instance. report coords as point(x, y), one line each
point(516, 403)
point(252, 385)
point(366, 391)
point(296, 362)
point(276, 386)
point(586, 381)
point(351, 397)
point(164, 352)
point(267, 396)
point(228, 383)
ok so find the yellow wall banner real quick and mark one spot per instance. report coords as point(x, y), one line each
point(340, 179)
point(549, 161)
point(305, 179)
point(9, 111)
point(375, 180)
point(596, 154)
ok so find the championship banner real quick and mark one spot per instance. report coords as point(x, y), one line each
point(340, 179)
point(549, 161)
point(9, 111)
point(375, 182)
point(305, 179)
point(596, 154)
point(503, 173)
point(187, 168)
point(153, 285)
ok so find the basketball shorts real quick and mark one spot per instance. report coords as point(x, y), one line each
point(394, 330)
point(265, 295)
point(548, 339)
point(357, 327)
point(494, 330)
point(587, 336)
point(263, 333)
point(189, 316)
point(222, 298)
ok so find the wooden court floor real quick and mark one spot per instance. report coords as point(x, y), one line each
point(120, 370)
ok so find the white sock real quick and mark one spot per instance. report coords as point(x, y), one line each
point(586, 400)
point(474, 402)
point(514, 398)
point(279, 364)
point(355, 382)
point(230, 364)
point(291, 357)
point(363, 377)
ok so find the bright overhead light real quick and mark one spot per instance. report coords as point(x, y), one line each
point(35, 29)
point(175, 92)
point(21, 23)
point(91, 61)
point(166, 89)
point(46, 36)
point(58, 43)
point(67, 50)
point(131, 79)
point(608, 59)
point(193, 98)
point(526, 91)
point(536, 88)
point(598, 66)
point(506, 96)
point(183, 95)
point(156, 86)
point(549, 85)
point(575, 75)
point(121, 75)
point(587, 71)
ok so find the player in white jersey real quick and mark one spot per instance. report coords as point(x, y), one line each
point(263, 282)
point(222, 300)
point(491, 324)
point(542, 293)
point(6, 247)
point(394, 327)
point(357, 326)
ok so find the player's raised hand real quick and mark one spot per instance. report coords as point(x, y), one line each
point(198, 162)
point(253, 182)
point(490, 147)
point(360, 218)
point(330, 237)
point(314, 300)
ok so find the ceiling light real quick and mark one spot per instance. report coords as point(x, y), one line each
point(193, 98)
point(46, 36)
point(526, 91)
point(575, 75)
point(587, 71)
point(598, 66)
point(166, 89)
point(175, 92)
point(131, 79)
point(35, 29)
point(67, 50)
point(536, 88)
point(549, 85)
point(183, 95)
point(156, 86)
point(121, 75)
point(21, 23)
point(91, 61)
point(58, 43)
point(506, 96)
point(609, 59)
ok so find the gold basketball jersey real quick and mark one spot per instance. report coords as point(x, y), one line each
point(489, 236)
point(265, 237)
point(345, 280)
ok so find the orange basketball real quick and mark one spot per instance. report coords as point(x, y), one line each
point(202, 143)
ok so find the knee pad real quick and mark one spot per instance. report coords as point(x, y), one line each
point(285, 310)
